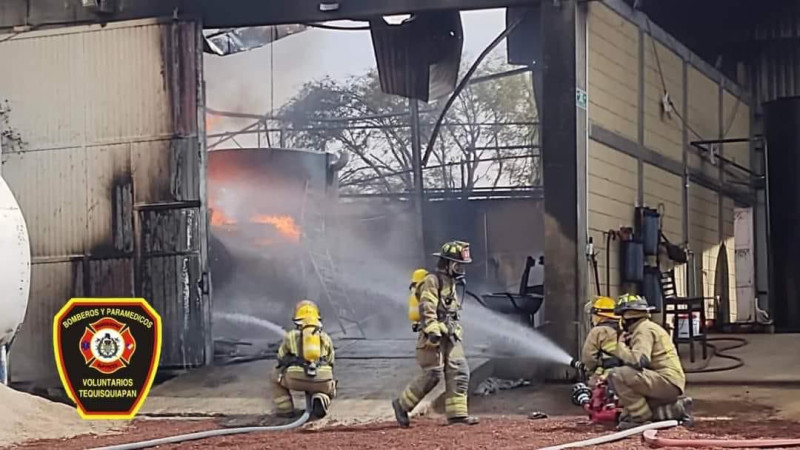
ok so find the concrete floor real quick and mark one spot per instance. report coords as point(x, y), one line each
point(770, 359)
point(370, 374)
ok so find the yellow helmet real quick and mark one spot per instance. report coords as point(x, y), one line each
point(603, 307)
point(306, 311)
point(418, 276)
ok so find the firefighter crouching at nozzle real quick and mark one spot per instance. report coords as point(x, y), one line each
point(600, 345)
point(439, 350)
point(305, 363)
point(651, 382)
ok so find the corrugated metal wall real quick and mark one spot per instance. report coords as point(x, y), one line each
point(613, 71)
point(613, 190)
point(644, 160)
point(776, 55)
point(109, 173)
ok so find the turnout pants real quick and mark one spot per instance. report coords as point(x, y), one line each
point(448, 360)
point(640, 392)
point(294, 378)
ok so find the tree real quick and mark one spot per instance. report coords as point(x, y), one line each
point(487, 134)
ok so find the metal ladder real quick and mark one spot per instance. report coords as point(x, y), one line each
point(316, 246)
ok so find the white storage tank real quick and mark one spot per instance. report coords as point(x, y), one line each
point(15, 271)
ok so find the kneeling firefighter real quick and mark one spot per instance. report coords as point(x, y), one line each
point(305, 363)
point(439, 350)
point(651, 382)
point(597, 355)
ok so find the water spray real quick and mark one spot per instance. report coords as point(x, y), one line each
point(250, 320)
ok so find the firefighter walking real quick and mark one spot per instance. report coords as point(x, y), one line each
point(651, 383)
point(439, 350)
point(305, 363)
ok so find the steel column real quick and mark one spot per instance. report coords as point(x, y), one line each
point(564, 175)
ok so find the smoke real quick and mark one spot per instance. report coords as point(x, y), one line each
point(376, 250)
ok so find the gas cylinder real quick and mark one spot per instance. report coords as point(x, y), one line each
point(413, 300)
point(312, 343)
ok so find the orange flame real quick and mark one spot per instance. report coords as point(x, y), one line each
point(219, 219)
point(284, 224)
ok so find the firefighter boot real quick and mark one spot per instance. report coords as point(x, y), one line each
point(400, 414)
point(468, 420)
point(685, 405)
point(631, 422)
point(319, 405)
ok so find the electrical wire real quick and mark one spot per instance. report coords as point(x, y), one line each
point(464, 82)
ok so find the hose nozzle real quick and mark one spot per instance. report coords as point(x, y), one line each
point(581, 394)
point(577, 365)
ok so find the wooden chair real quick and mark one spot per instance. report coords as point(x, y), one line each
point(683, 305)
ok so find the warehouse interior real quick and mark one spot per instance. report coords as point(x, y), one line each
point(134, 184)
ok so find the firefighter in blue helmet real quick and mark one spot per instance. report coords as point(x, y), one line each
point(651, 382)
point(439, 350)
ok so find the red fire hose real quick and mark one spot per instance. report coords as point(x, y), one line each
point(651, 438)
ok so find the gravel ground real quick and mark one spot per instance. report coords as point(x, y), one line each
point(493, 433)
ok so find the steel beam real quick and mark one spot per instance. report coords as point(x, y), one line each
point(227, 13)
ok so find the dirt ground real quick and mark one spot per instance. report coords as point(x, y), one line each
point(493, 433)
point(721, 413)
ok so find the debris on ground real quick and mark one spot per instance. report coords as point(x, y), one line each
point(27, 416)
point(491, 385)
point(536, 415)
point(493, 432)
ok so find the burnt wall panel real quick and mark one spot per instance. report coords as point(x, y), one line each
point(109, 277)
point(105, 122)
point(170, 284)
point(170, 231)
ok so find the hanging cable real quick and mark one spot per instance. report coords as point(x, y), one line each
point(463, 84)
point(336, 27)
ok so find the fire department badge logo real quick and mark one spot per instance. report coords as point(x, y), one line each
point(107, 353)
point(107, 345)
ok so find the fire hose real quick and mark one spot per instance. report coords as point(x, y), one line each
point(651, 438)
point(737, 362)
point(208, 434)
point(616, 436)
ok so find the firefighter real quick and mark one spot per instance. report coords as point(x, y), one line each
point(651, 382)
point(439, 350)
point(597, 355)
point(305, 363)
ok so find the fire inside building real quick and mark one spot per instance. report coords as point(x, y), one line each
point(225, 160)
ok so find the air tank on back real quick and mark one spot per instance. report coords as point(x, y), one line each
point(15, 269)
point(782, 127)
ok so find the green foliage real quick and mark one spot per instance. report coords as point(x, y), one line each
point(355, 116)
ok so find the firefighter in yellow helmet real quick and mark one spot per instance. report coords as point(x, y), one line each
point(597, 355)
point(305, 363)
point(439, 350)
point(651, 382)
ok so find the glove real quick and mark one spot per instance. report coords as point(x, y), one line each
point(458, 332)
